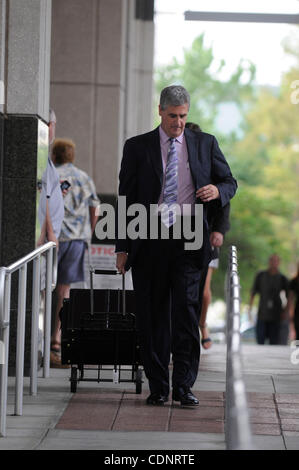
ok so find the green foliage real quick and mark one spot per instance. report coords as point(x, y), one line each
point(196, 73)
point(264, 157)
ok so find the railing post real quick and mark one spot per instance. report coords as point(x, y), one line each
point(34, 325)
point(237, 428)
point(48, 313)
point(4, 337)
point(20, 340)
point(5, 297)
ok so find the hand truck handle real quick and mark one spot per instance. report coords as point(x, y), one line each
point(105, 272)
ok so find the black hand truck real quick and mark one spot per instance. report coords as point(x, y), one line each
point(98, 328)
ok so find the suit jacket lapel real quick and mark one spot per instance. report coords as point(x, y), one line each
point(154, 149)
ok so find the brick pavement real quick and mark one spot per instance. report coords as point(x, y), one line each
point(125, 411)
point(108, 416)
point(109, 410)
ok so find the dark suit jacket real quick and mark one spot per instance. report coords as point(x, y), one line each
point(218, 216)
point(141, 177)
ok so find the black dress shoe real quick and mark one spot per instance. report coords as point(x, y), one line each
point(156, 399)
point(185, 396)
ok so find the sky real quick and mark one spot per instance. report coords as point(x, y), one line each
point(259, 43)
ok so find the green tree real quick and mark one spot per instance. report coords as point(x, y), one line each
point(207, 91)
point(263, 155)
point(265, 212)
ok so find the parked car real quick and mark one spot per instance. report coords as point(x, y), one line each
point(247, 331)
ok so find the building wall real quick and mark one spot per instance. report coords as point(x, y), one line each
point(101, 81)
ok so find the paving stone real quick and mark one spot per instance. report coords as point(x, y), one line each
point(292, 442)
point(287, 398)
point(187, 415)
point(197, 426)
point(290, 424)
point(19, 443)
point(27, 423)
point(143, 427)
point(210, 395)
point(288, 433)
point(262, 383)
point(288, 411)
point(258, 396)
point(268, 442)
point(205, 403)
point(287, 383)
point(267, 429)
point(91, 413)
point(261, 404)
point(262, 416)
point(99, 440)
point(37, 409)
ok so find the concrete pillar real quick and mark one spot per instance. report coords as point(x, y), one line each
point(140, 57)
point(28, 62)
point(111, 90)
point(101, 80)
point(2, 98)
point(25, 66)
point(2, 52)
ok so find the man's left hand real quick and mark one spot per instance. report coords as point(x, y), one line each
point(216, 239)
point(208, 193)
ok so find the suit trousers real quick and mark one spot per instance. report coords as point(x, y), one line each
point(267, 330)
point(167, 287)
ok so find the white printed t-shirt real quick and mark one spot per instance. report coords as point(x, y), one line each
point(80, 196)
point(51, 191)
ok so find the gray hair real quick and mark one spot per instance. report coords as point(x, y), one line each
point(174, 95)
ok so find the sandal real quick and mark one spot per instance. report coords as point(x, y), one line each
point(55, 347)
point(55, 362)
point(206, 342)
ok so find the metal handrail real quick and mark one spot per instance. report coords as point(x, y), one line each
point(237, 427)
point(49, 249)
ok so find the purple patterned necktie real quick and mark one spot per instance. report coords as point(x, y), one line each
point(171, 185)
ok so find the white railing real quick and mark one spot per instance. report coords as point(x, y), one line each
point(49, 250)
point(237, 428)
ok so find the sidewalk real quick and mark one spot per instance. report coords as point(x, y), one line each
point(112, 417)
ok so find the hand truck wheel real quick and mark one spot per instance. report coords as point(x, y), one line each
point(139, 381)
point(73, 379)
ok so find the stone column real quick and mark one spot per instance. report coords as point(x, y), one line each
point(140, 58)
point(2, 99)
point(25, 65)
point(87, 82)
point(101, 80)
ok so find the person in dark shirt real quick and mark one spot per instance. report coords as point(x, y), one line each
point(269, 285)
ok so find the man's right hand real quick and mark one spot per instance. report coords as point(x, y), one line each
point(121, 259)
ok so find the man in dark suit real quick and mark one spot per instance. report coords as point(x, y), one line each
point(169, 165)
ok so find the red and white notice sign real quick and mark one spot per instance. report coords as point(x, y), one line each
point(103, 257)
